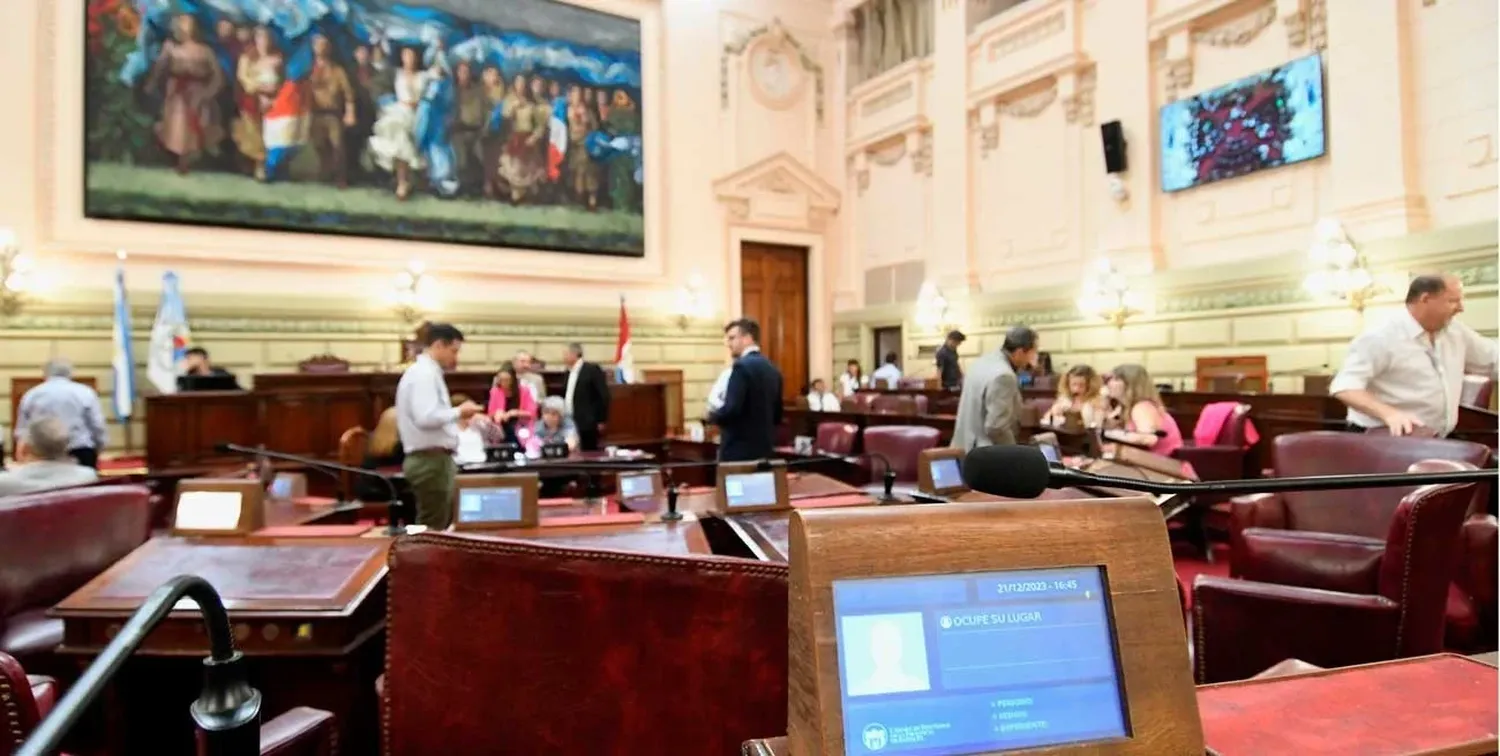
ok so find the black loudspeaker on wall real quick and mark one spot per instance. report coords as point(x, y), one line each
point(1113, 137)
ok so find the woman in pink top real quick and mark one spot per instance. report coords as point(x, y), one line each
point(1141, 412)
point(512, 406)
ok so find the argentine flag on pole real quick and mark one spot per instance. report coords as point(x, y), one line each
point(624, 365)
point(169, 337)
point(124, 356)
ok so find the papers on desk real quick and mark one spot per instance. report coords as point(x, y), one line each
point(207, 510)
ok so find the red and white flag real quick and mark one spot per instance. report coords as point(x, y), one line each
point(624, 365)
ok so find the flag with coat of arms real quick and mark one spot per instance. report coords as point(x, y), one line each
point(169, 337)
point(123, 360)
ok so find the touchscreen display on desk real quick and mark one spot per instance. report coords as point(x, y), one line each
point(947, 665)
point(1051, 453)
point(489, 504)
point(757, 489)
point(637, 486)
point(946, 474)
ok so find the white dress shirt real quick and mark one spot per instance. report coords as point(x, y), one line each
point(425, 415)
point(1398, 364)
point(572, 382)
point(824, 402)
point(720, 388)
point(888, 373)
point(848, 384)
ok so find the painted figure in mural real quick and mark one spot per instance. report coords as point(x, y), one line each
point(521, 165)
point(259, 74)
point(188, 78)
point(332, 111)
point(582, 170)
point(393, 145)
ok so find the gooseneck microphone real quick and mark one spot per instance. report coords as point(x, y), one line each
point(1023, 472)
point(392, 509)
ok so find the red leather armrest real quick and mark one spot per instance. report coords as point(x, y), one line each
point(1252, 511)
point(301, 731)
point(1243, 627)
point(1213, 462)
point(1330, 561)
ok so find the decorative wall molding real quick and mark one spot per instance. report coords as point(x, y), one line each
point(885, 100)
point(1078, 106)
point(779, 191)
point(777, 38)
point(889, 153)
point(1027, 36)
point(921, 157)
point(1239, 31)
point(1306, 23)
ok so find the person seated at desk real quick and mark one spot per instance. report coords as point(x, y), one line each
point(819, 399)
point(556, 427)
point(1082, 392)
point(197, 365)
point(44, 461)
point(512, 406)
point(1140, 418)
point(887, 375)
point(382, 452)
point(852, 379)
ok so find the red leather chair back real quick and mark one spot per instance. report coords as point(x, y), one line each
point(901, 444)
point(497, 645)
point(900, 404)
point(919, 403)
point(55, 542)
point(836, 438)
point(1363, 512)
point(18, 709)
point(1478, 575)
point(1421, 557)
point(1477, 391)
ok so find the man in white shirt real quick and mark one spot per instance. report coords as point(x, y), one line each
point(887, 375)
point(820, 400)
point(427, 422)
point(44, 461)
point(1408, 373)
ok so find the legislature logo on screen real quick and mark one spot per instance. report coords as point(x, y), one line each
point(949, 665)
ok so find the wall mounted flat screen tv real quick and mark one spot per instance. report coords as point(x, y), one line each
point(1272, 118)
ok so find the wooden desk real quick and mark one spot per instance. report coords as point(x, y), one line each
point(306, 413)
point(310, 613)
point(652, 536)
point(764, 534)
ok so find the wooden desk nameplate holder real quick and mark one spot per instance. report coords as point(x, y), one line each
point(219, 507)
point(868, 582)
point(748, 481)
point(496, 502)
point(940, 472)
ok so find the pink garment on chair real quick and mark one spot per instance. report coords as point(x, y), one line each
point(524, 426)
point(1211, 424)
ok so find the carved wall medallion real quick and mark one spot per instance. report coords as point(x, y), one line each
point(1031, 105)
point(1240, 31)
point(777, 69)
point(889, 153)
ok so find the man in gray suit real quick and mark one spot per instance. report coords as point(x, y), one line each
point(989, 407)
point(45, 463)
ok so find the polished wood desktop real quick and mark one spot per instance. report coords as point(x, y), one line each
point(306, 413)
point(308, 613)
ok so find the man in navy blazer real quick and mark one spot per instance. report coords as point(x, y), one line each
point(751, 411)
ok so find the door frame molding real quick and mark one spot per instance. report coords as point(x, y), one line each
point(819, 314)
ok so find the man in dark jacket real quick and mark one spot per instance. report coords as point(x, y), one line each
point(949, 374)
point(751, 410)
point(587, 397)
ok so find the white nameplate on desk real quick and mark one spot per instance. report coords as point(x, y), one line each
point(208, 510)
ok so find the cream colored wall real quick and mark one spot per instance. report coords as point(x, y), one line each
point(731, 160)
point(1411, 90)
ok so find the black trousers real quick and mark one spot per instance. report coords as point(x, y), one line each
point(588, 438)
point(86, 456)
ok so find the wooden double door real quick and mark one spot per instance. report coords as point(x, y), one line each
point(773, 293)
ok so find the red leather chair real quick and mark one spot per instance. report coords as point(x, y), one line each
point(836, 438)
point(897, 404)
point(25, 700)
point(1471, 608)
point(578, 651)
point(52, 544)
point(919, 402)
point(1331, 599)
point(1477, 391)
point(1225, 459)
point(901, 444)
point(1360, 512)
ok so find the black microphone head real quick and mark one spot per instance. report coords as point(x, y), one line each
point(223, 448)
point(1015, 472)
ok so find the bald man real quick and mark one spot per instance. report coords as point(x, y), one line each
point(1408, 374)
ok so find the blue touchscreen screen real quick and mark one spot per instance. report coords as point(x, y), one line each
point(946, 474)
point(756, 489)
point(489, 504)
point(636, 486)
point(946, 665)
